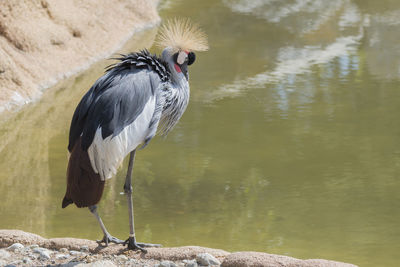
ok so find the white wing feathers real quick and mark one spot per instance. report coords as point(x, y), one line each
point(106, 155)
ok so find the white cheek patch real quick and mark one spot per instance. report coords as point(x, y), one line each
point(181, 57)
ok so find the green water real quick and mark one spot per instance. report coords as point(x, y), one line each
point(290, 144)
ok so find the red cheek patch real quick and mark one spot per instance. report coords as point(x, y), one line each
point(177, 68)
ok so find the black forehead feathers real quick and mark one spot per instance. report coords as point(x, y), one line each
point(192, 58)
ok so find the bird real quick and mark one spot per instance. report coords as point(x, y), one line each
point(138, 97)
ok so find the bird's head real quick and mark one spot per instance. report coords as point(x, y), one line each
point(180, 38)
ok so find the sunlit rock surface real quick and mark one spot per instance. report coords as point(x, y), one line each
point(42, 42)
point(179, 255)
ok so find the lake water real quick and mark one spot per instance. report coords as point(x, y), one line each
point(290, 144)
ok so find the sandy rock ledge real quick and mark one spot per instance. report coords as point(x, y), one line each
point(18, 248)
point(44, 41)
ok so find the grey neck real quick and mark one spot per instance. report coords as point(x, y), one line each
point(176, 101)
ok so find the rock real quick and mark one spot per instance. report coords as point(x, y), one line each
point(33, 256)
point(33, 246)
point(44, 255)
point(14, 263)
point(69, 264)
point(75, 253)
point(166, 264)
point(207, 259)
point(122, 257)
point(84, 249)
point(64, 250)
point(102, 263)
point(15, 246)
point(3, 263)
point(61, 256)
point(26, 260)
point(4, 254)
point(38, 250)
point(190, 263)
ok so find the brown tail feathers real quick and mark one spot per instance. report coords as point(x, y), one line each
point(84, 187)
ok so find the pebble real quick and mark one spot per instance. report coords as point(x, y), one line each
point(71, 264)
point(190, 263)
point(63, 250)
point(62, 256)
point(26, 260)
point(75, 253)
point(84, 248)
point(166, 264)
point(122, 257)
point(33, 246)
point(15, 246)
point(4, 254)
point(102, 263)
point(33, 256)
point(38, 250)
point(44, 255)
point(207, 259)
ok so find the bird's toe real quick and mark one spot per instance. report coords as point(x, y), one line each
point(133, 245)
point(109, 239)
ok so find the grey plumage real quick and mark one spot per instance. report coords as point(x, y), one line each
point(138, 96)
point(119, 96)
point(176, 101)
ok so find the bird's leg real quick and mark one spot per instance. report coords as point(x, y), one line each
point(131, 241)
point(107, 238)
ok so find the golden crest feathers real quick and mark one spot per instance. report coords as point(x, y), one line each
point(181, 34)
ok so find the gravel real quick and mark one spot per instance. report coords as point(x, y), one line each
point(34, 255)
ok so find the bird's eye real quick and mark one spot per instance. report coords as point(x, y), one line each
point(192, 58)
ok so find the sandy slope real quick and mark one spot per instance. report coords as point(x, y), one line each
point(42, 41)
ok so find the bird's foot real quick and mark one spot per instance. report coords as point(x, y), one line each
point(109, 238)
point(133, 245)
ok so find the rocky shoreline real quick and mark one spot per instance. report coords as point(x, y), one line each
point(18, 248)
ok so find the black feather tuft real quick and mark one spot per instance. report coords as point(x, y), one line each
point(141, 60)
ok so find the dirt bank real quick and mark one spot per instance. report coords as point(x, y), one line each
point(42, 41)
point(31, 249)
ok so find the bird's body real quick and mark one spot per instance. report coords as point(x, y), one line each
point(122, 110)
point(137, 97)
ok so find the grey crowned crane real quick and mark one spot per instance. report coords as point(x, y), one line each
point(137, 97)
